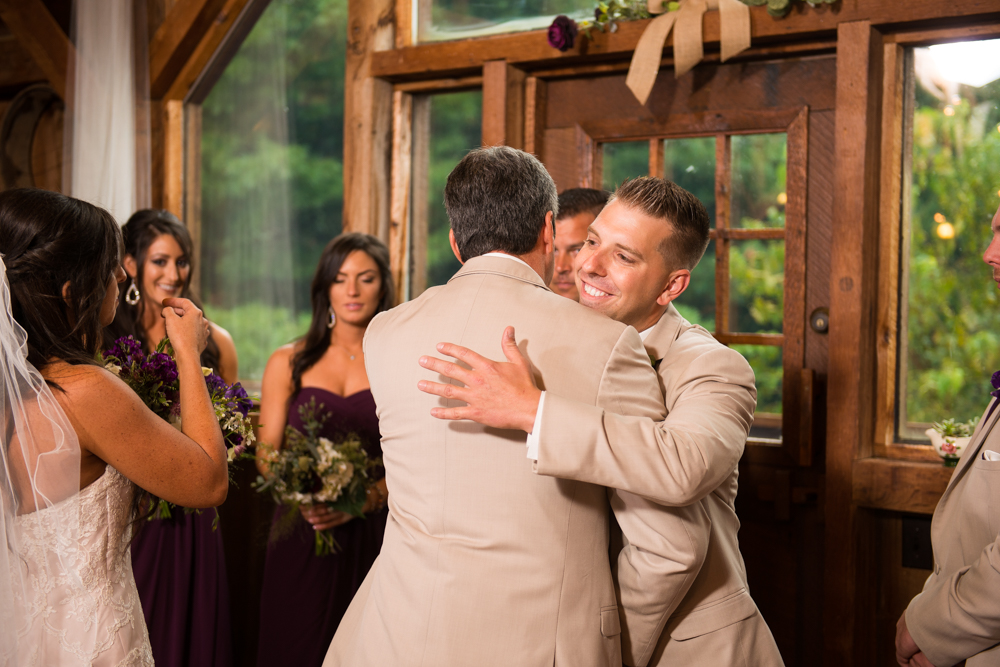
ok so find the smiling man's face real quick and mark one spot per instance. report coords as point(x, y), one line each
point(992, 254)
point(620, 270)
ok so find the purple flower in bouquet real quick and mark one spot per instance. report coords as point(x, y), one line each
point(161, 366)
point(239, 399)
point(127, 350)
point(562, 33)
point(215, 383)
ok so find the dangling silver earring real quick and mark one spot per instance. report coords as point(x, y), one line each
point(132, 296)
point(333, 319)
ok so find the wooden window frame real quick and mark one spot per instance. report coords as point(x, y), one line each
point(894, 206)
point(795, 447)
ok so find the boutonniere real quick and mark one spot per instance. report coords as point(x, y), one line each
point(655, 363)
point(995, 381)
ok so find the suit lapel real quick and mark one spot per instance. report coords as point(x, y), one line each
point(663, 335)
point(978, 438)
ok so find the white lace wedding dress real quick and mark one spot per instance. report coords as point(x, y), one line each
point(88, 612)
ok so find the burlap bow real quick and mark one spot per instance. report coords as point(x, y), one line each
point(688, 48)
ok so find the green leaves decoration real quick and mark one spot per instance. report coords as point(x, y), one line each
point(780, 8)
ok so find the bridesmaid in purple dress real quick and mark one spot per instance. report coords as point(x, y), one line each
point(304, 596)
point(179, 564)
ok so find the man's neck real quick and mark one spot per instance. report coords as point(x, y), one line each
point(650, 320)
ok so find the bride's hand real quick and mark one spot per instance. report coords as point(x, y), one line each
point(186, 325)
point(322, 517)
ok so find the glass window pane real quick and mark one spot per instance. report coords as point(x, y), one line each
point(756, 286)
point(624, 160)
point(455, 129)
point(766, 363)
point(950, 336)
point(272, 175)
point(690, 163)
point(458, 19)
point(697, 303)
point(758, 193)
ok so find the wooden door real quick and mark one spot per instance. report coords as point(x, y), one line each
point(734, 134)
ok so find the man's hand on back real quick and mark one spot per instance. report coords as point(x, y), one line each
point(497, 394)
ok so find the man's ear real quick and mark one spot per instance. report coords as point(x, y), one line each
point(131, 267)
point(548, 234)
point(677, 282)
point(454, 246)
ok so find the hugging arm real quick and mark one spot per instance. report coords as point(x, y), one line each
point(664, 550)
point(624, 441)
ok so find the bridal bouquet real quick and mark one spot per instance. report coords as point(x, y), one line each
point(153, 377)
point(311, 469)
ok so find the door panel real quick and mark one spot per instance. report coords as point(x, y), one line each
point(781, 488)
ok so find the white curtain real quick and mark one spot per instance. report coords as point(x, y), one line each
point(108, 102)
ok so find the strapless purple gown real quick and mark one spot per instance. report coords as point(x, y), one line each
point(180, 572)
point(304, 596)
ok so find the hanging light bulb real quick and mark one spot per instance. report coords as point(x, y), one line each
point(946, 231)
point(782, 198)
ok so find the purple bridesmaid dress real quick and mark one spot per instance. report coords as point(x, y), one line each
point(180, 571)
point(304, 596)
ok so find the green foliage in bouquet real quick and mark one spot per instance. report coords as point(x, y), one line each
point(310, 469)
point(154, 379)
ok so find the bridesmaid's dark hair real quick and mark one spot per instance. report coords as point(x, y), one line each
point(141, 230)
point(317, 340)
point(48, 240)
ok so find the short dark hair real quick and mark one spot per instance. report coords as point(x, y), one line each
point(317, 339)
point(575, 201)
point(47, 240)
point(659, 198)
point(497, 199)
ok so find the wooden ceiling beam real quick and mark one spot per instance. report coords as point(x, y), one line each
point(530, 50)
point(40, 35)
point(176, 40)
point(209, 41)
point(19, 67)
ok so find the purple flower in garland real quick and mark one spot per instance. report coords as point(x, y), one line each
point(161, 366)
point(562, 33)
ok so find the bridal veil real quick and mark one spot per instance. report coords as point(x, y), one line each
point(39, 483)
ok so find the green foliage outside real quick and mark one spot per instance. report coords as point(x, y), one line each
point(449, 17)
point(272, 174)
point(952, 314)
point(456, 128)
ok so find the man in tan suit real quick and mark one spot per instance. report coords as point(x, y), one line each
point(577, 209)
point(682, 583)
point(484, 562)
point(957, 615)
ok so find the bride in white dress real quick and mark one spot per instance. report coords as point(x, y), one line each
point(76, 441)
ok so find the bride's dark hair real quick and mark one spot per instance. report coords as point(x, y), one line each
point(48, 240)
point(317, 339)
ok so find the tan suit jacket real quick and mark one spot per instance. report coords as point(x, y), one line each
point(485, 562)
point(693, 606)
point(957, 616)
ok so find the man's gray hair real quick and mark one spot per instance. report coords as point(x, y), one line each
point(497, 199)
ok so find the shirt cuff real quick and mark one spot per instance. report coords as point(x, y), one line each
point(536, 430)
